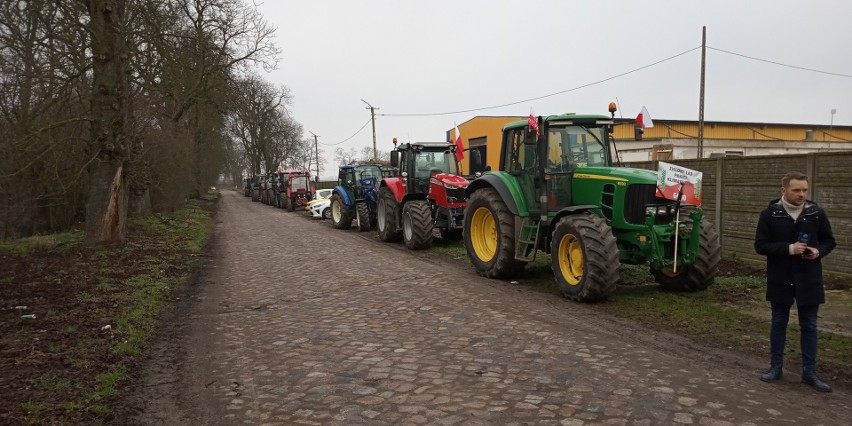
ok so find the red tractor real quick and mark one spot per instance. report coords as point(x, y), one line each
point(296, 189)
point(426, 194)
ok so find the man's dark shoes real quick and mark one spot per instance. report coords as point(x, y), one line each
point(812, 380)
point(773, 374)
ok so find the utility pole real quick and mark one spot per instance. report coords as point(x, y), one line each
point(316, 150)
point(701, 96)
point(373, 118)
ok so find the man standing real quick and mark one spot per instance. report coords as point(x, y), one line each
point(794, 234)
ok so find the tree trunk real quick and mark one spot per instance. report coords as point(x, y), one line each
point(106, 209)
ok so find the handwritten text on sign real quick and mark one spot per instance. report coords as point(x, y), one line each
point(669, 180)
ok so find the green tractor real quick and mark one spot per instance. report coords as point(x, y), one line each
point(557, 191)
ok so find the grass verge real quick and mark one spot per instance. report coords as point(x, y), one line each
point(72, 317)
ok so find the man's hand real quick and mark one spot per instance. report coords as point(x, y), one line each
point(799, 248)
point(810, 253)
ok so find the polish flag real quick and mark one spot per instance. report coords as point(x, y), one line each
point(459, 145)
point(643, 120)
point(533, 123)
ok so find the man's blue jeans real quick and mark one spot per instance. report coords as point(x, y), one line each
point(778, 335)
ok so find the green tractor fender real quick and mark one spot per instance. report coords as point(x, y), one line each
point(506, 185)
point(572, 210)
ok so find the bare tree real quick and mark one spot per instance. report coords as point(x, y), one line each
point(42, 118)
point(103, 102)
point(342, 156)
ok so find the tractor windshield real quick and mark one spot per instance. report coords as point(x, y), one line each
point(429, 163)
point(369, 175)
point(299, 183)
point(569, 147)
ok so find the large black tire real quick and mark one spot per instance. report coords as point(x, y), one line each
point(584, 253)
point(489, 235)
point(417, 225)
point(363, 212)
point(341, 214)
point(386, 217)
point(700, 274)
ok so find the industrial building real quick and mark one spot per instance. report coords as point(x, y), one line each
point(674, 139)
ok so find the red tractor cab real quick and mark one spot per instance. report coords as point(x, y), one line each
point(427, 194)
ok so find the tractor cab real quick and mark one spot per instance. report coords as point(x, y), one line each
point(420, 163)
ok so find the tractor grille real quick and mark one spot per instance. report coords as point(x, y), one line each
point(638, 196)
point(455, 195)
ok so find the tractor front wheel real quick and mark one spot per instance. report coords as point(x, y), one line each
point(386, 216)
point(700, 274)
point(341, 215)
point(363, 211)
point(417, 225)
point(585, 258)
point(489, 235)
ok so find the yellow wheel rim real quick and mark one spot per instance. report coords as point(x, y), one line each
point(483, 234)
point(571, 259)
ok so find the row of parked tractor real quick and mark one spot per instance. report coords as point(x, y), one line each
point(555, 190)
point(419, 192)
point(282, 189)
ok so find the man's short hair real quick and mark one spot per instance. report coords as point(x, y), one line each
point(785, 181)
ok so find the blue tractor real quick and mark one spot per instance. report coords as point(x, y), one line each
point(355, 196)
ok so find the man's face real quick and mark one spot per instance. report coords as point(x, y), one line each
point(795, 192)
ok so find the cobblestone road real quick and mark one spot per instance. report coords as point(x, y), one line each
point(299, 323)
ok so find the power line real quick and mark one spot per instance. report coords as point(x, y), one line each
point(545, 96)
point(781, 64)
point(350, 137)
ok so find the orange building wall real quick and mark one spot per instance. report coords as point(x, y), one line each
point(489, 127)
point(743, 131)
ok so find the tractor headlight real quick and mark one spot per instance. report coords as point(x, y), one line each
point(448, 186)
point(659, 210)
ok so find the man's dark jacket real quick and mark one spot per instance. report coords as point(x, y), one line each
point(790, 276)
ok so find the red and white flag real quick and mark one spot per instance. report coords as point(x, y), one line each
point(643, 120)
point(533, 123)
point(459, 145)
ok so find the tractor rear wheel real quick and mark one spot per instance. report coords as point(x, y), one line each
point(417, 224)
point(585, 258)
point(700, 274)
point(363, 211)
point(489, 235)
point(386, 216)
point(341, 215)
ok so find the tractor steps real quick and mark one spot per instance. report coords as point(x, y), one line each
point(526, 243)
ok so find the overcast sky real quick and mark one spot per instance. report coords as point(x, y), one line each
point(441, 56)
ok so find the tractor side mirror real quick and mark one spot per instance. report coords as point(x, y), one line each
point(394, 158)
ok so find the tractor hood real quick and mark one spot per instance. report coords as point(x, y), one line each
point(617, 174)
point(449, 180)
